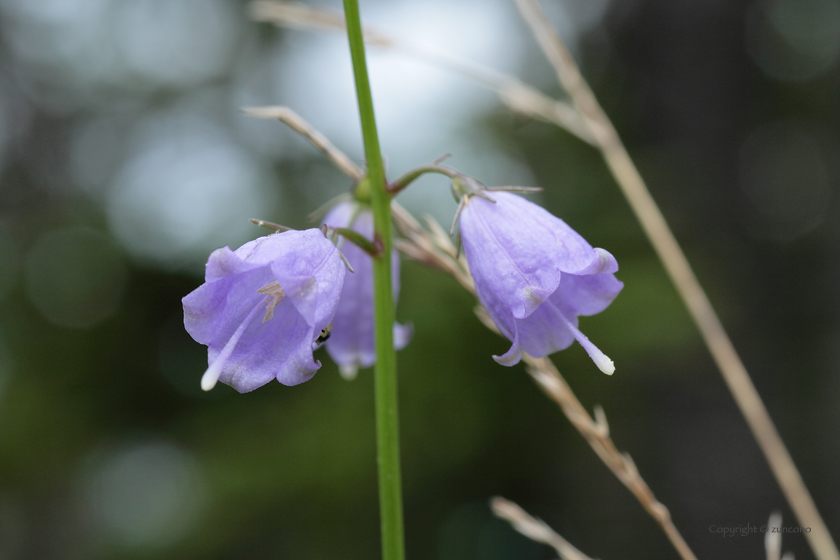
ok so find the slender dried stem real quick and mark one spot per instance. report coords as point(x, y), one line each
point(518, 96)
point(436, 249)
point(299, 125)
point(676, 264)
point(543, 371)
point(535, 529)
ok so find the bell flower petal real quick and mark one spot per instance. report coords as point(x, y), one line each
point(534, 275)
point(351, 342)
point(262, 307)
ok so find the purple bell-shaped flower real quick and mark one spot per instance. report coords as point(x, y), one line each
point(351, 341)
point(535, 275)
point(263, 306)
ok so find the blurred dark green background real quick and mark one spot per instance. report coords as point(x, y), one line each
point(124, 162)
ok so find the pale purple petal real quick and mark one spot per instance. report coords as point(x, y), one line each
point(541, 333)
point(280, 348)
point(544, 331)
point(213, 311)
point(224, 263)
point(301, 264)
point(588, 295)
point(507, 255)
point(551, 328)
point(218, 360)
point(569, 251)
point(351, 342)
point(515, 250)
point(253, 337)
point(510, 358)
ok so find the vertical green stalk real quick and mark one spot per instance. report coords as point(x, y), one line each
point(385, 373)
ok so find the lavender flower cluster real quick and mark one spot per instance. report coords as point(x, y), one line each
point(267, 306)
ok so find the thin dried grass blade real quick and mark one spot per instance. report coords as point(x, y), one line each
point(535, 529)
point(516, 95)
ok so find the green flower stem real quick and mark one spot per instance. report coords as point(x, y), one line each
point(385, 373)
point(462, 184)
point(370, 247)
point(397, 186)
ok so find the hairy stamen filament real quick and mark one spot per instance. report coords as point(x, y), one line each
point(275, 294)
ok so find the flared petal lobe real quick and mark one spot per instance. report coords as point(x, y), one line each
point(262, 306)
point(351, 343)
point(535, 275)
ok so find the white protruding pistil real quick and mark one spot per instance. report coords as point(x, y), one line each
point(348, 372)
point(601, 360)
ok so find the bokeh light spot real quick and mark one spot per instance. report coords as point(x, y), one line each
point(186, 190)
point(145, 495)
point(75, 277)
point(95, 153)
point(177, 42)
point(794, 40)
point(784, 173)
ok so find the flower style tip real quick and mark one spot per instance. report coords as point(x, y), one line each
point(535, 275)
point(348, 373)
point(351, 344)
point(210, 378)
point(601, 360)
point(262, 306)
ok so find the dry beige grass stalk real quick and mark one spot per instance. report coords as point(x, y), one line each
point(676, 264)
point(535, 529)
point(299, 125)
point(597, 434)
point(518, 96)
